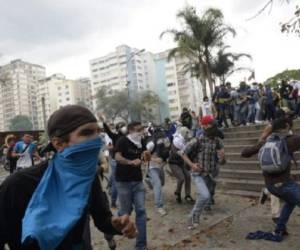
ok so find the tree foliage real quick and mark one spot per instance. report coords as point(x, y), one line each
point(20, 123)
point(292, 25)
point(199, 40)
point(224, 64)
point(285, 75)
point(115, 104)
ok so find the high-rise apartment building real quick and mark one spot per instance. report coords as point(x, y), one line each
point(137, 70)
point(121, 69)
point(56, 91)
point(18, 88)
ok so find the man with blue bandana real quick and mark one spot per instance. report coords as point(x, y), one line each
point(46, 207)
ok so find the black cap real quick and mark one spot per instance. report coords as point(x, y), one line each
point(66, 119)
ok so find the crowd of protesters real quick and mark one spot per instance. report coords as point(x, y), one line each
point(250, 104)
point(192, 149)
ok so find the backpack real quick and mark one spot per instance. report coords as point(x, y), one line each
point(274, 157)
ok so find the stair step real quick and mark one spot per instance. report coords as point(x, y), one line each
point(241, 193)
point(248, 174)
point(245, 185)
point(256, 127)
point(237, 156)
point(239, 141)
point(232, 165)
point(250, 134)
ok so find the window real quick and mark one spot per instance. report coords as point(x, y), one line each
point(59, 88)
point(67, 99)
point(67, 86)
point(170, 84)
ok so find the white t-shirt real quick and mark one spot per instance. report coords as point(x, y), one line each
point(25, 160)
point(206, 109)
point(297, 86)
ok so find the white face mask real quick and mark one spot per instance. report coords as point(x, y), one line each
point(136, 136)
point(123, 130)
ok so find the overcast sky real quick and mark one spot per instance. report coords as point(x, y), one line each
point(63, 35)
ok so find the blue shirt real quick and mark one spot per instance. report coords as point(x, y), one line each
point(20, 145)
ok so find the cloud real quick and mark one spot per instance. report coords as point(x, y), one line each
point(64, 35)
point(31, 24)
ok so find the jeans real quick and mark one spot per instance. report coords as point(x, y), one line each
point(132, 194)
point(211, 186)
point(240, 111)
point(183, 176)
point(112, 181)
point(270, 111)
point(222, 115)
point(290, 193)
point(251, 113)
point(289, 104)
point(154, 174)
point(203, 195)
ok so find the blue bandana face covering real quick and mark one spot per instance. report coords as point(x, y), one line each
point(62, 194)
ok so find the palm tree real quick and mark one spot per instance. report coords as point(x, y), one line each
point(224, 63)
point(200, 37)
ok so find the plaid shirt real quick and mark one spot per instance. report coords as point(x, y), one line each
point(203, 150)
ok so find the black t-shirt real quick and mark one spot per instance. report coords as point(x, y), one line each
point(15, 194)
point(130, 151)
point(285, 91)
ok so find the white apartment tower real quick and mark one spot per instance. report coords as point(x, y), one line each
point(120, 69)
point(18, 91)
point(182, 90)
point(56, 91)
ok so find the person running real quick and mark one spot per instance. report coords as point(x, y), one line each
point(46, 207)
point(121, 131)
point(158, 145)
point(279, 181)
point(131, 191)
point(25, 150)
point(201, 155)
point(177, 166)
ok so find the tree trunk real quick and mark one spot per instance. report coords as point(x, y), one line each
point(203, 84)
point(210, 82)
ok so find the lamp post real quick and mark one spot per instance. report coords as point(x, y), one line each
point(44, 113)
point(128, 82)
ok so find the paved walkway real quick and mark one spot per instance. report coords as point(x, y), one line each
point(223, 228)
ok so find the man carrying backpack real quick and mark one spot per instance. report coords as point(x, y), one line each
point(201, 155)
point(275, 162)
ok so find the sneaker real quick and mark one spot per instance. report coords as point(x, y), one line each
point(263, 196)
point(162, 211)
point(207, 208)
point(196, 221)
point(112, 244)
point(178, 197)
point(189, 199)
point(190, 223)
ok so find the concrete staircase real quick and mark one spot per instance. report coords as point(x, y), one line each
point(242, 176)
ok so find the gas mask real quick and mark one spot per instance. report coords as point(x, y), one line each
point(123, 130)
